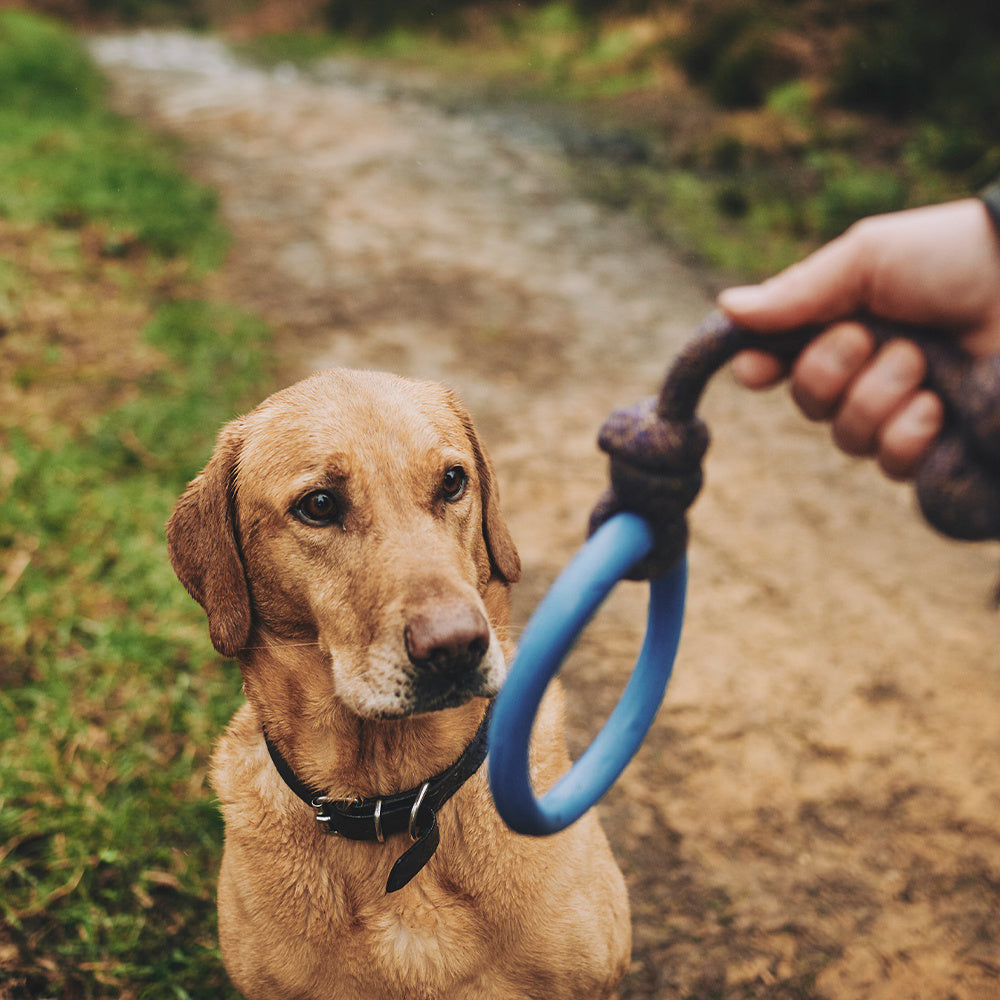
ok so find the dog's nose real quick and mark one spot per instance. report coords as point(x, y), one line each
point(447, 640)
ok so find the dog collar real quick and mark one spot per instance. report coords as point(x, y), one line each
point(413, 812)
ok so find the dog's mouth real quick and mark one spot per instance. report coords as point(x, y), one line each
point(443, 661)
point(433, 695)
point(450, 649)
point(424, 694)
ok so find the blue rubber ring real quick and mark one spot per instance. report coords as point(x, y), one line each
point(550, 634)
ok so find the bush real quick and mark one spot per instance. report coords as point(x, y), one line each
point(850, 192)
point(909, 57)
point(733, 51)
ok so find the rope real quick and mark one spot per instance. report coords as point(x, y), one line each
point(656, 447)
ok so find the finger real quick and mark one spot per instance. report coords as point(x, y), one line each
point(826, 285)
point(826, 368)
point(757, 370)
point(909, 433)
point(879, 391)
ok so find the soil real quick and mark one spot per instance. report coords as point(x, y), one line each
point(816, 811)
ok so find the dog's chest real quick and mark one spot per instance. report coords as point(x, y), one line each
point(428, 935)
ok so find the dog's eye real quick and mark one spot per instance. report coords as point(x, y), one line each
point(319, 508)
point(454, 483)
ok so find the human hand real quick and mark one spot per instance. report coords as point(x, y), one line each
point(937, 267)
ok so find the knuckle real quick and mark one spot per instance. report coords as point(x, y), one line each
point(868, 407)
point(813, 406)
point(854, 438)
point(903, 363)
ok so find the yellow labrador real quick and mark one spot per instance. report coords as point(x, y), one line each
point(346, 543)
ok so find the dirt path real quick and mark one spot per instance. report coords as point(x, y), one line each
point(817, 811)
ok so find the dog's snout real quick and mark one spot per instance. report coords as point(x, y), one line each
point(447, 640)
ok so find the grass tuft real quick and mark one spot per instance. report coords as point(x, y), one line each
point(66, 160)
point(114, 379)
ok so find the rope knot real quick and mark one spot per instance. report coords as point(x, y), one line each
point(656, 447)
point(655, 471)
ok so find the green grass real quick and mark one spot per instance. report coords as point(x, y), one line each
point(110, 692)
point(112, 695)
point(65, 158)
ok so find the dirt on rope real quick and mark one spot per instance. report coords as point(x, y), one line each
point(816, 812)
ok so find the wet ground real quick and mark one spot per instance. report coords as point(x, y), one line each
point(816, 812)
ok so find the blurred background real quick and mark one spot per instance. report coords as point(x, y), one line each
point(789, 118)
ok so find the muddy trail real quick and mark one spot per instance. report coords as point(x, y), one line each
point(816, 812)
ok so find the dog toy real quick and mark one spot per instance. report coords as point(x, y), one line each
point(639, 531)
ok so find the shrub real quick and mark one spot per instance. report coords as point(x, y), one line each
point(850, 192)
point(908, 57)
point(732, 49)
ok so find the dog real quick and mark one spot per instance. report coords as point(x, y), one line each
point(346, 543)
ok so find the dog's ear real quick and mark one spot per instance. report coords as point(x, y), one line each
point(504, 559)
point(201, 540)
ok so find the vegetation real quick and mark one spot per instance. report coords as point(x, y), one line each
point(115, 378)
point(743, 132)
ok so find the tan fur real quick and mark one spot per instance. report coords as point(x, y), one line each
point(318, 618)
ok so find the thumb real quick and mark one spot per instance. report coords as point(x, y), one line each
point(827, 285)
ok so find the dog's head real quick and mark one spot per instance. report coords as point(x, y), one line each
point(359, 512)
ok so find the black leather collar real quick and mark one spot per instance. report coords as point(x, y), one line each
point(413, 812)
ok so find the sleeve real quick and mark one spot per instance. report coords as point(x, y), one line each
point(991, 199)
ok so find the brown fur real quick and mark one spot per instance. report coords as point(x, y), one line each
point(324, 620)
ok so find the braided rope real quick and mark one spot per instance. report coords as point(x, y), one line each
point(656, 447)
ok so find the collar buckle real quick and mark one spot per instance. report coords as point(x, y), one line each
point(375, 819)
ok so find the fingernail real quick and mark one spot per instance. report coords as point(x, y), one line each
point(924, 416)
point(742, 298)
